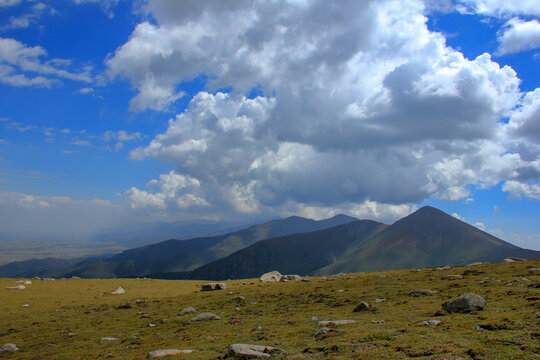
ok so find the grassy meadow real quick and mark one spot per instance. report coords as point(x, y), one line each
point(67, 318)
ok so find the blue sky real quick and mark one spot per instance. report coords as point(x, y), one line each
point(114, 112)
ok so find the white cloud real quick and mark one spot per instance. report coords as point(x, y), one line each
point(518, 36)
point(86, 90)
point(457, 216)
point(480, 225)
point(520, 190)
point(500, 8)
point(8, 3)
point(22, 65)
point(360, 104)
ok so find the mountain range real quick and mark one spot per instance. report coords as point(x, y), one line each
point(296, 245)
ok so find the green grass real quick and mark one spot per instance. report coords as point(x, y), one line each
point(510, 320)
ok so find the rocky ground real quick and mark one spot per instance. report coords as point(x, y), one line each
point(483, 311)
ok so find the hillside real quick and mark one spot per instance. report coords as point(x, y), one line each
point(67, 319)
point(427, 237)
point(292, 254)
point(174, 255)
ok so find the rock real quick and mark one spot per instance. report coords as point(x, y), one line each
point(341, 291)
point(259, 328)
point(452, 277)
point(118, 291)
point(512, 259)
point(272, 276)
point(25, 305)
point(305, 280)
point(423, 292)
point(472, 272)
point(443, 268)
point(478, 263)
point(188, 310)
point(314, 318)
point(28, 282)
point(291, 277)
point(213, 286)
point(18, 287)
point(205, 316)
point(166, 352)
point(363, 306)
point(239, 298)
point(431, 322)
point(534, 270)
point(151, 325)
point(8, 348)
point(248, 351)
point(380, 300)
point(465, 303)
point(108, 338)
point(322, 331)
point(335, 322)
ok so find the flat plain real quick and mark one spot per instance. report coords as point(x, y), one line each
point(67, 318)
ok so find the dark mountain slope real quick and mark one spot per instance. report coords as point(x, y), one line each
point(181, 255)
point(298, 253)
point(428, 237)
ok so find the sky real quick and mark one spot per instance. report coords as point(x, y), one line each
point(118, 112)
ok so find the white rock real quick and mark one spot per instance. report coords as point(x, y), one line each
point(118, 291)
point(335, 322)
point(188, 310)
point(8, 348)
point(272, 276)
point(432, 322)
point(248, 351)
point(109, 338)
point(166, 352)
point(18, 287)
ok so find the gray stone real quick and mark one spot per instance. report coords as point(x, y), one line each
point(431, 322)
point(119, 291)
point(272, 276)
point(109, 338)
point(8, 348)
point(335, 322)
point(239, 298)
point(534, 270)
point(363, 306)
point(314, 318)
point(452, 277)
point(443, 268)
point(322, 331)
point(291, 277)
point(205, 316)
point(423, 292)
point(380, 300)
point(248, 351)
point(165, 352)
point(18, 287)
point(213, 286)
point(465, 303)
point(188, 310)
point(512, 259)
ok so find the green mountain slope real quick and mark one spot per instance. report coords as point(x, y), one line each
point(298, 253)
point(428, 237)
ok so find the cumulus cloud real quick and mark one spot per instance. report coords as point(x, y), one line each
point(500, 8)
point(359, 103)
point(519, 35)
point(22, 65)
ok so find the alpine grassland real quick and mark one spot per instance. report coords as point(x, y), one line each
point(72, 318)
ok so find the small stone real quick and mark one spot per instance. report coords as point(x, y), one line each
point(362, 306)
point(340, 291)
point(512, 259)
point(335, 322)
point(248, 351)
point(118, 291)
point(146, 316)
point(431, 322)
point(213, 286)
point(28, 282)
point(534, 270)
point(8, 348)
point(259, 328)
point(423, 292)
point(330, 279)
point(25, 305)
point(465, 303)
point(322, 331)
point(237, 308)
point(205, 316)
point(305, 280)
point(452, 277)
point(314, 318)
point(239, 298)
point(188, 310)
point(109, 338)
point(166, 352)
point(18, 287)
point(380, 300)
point(151, 325)
point(382, 276)
point(291, 277)
point(443, 268)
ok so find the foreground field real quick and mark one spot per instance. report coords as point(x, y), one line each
point(66, 319)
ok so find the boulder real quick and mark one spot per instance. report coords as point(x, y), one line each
point(322, 331)
point(118, 291)
point(291, 277)
point(188, 310)
point(423, 292)
point(272, 276)
point(8, 348)
point(534, 270)
point(363, 306)
point(248, 351)
point(205, 316)
point(213, 286)
point(165, 352)
point(465, 303)
point(512, 259)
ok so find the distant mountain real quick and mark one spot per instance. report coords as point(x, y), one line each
point(179, 255)
point(427, 237)
point(292, 254)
